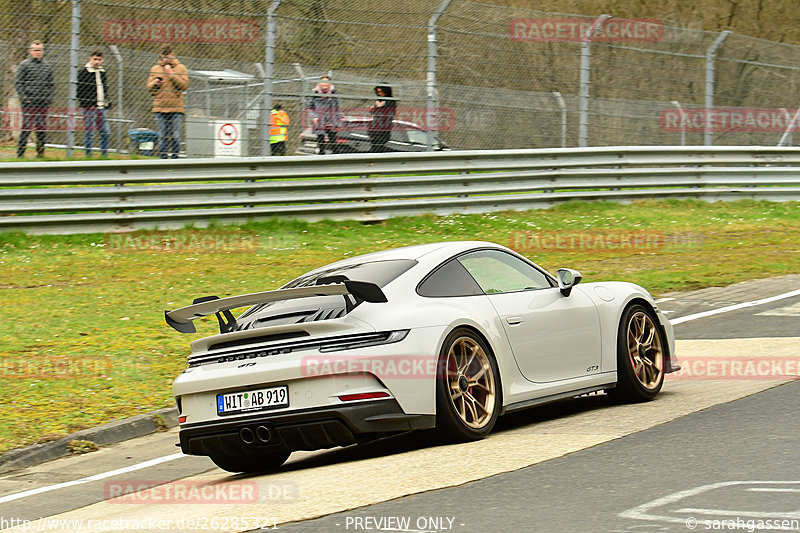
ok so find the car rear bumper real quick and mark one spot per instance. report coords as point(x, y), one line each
point(312, 429)
point(405, 370)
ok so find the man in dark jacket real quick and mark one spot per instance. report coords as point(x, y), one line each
point(383, 111)
point(325, 114)
point(93, 98)
point(34, 84)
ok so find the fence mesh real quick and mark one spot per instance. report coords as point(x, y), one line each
point(488, 77)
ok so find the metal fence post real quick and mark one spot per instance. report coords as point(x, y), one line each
point(710, 54)
point(120, 101)
point(304, 90)
point(431, 85)
point(266, 149)
point(583, 103)
point(786, 138)
point(563, 106)
point(74, 59)
point(677, 104)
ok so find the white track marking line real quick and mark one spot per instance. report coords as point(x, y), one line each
point(96, 477)
point(661, 300)
point(743, 305)
point(789, 310)
point(645, 511)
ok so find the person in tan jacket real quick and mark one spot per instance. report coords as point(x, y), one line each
point(167, 81)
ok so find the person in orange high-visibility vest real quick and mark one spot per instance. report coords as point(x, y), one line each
point(278, 130)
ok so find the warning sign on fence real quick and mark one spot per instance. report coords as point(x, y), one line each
point(228, 138)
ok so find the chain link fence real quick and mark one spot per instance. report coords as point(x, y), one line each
point(463, 74)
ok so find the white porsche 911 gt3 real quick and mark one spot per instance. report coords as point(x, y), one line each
point(447, 335)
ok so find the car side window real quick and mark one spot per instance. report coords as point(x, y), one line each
point(449, 280)
point(496, 271)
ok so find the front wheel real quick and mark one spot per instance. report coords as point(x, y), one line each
point(264, 462)
point(640, 356)
point(468, 396)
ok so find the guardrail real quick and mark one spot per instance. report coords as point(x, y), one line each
point(92, 196)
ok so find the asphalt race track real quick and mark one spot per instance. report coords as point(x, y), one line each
point(715, 451)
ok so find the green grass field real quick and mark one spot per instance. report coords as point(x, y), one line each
point(8, 154)
point(84, 340)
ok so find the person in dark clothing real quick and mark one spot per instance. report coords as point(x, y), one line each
point(92, 95)
point(35, 87)
point(383, 112)
point(325, 114)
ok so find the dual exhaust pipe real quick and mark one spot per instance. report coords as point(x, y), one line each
point(257, 435)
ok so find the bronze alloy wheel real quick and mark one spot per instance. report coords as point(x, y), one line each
point(471, 382)
point(645, 350)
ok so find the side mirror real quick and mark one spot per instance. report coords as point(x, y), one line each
point(567, 278)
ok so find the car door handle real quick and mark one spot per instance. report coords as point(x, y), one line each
point(514, 320)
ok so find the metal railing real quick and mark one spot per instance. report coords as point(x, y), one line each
point(78, 197)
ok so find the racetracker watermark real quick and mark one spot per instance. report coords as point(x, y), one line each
point(599, 240)
point(530, 241)
point(192, 241)
point(54, 367)
point(217, 31)
point(392, 367)
point(137, 525)
point(405, 119)
point(180, 492)
point(42, 118)
point(738, 368)
point(550, 30)
point(731, 119)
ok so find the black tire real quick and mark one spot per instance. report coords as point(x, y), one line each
point(641, 356)
point(468, 391)
point(263, 462)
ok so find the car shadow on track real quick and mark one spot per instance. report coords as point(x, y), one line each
point(411, 441)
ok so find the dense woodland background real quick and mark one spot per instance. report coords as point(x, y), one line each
point(776, 20)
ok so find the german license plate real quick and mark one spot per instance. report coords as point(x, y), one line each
point(252, 400)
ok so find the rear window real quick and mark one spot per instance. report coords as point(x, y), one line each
point(377, 272)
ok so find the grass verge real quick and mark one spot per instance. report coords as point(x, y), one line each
point(8, 154)
point(84, 340)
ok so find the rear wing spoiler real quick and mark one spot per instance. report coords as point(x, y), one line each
point(181, 319)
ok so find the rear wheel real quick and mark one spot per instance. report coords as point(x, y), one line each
point(640, 356)
point(263, 462)
point(467, 388)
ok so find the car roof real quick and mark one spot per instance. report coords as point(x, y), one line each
point(416, 252)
